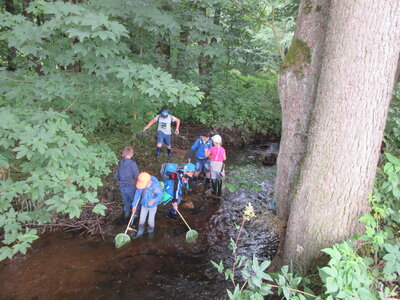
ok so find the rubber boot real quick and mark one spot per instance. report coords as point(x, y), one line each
point(194, 183)
point(140, 232)
point(158, 151)
point(169, 153)
point(208, 183)
point(219, 189)
point(214, 188)
point(150, 233)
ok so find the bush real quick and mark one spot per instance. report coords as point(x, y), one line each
point(249, 103)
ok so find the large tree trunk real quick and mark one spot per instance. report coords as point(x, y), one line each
point(298, 83)
point(361, 51)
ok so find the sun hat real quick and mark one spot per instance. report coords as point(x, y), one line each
point(143, 180)
point(217, 139)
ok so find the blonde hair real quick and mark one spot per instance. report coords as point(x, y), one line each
point(127, 151)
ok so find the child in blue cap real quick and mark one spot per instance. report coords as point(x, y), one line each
point(173, 186)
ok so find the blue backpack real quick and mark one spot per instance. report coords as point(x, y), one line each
point(168, 168)
point(168, 186)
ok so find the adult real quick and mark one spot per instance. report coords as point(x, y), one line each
point(164, 120)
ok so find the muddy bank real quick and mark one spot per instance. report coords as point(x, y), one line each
point(259, 237)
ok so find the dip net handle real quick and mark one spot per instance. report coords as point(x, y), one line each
point(184, 220)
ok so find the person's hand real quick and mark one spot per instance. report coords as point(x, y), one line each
point(177, 131)
point(133, 209)
point(175, 205)
point(145, 128)
point(151, 202)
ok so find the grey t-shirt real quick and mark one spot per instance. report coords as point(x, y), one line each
point(164, 124)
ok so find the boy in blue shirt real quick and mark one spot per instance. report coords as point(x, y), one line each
point(201, 145)
point(150, 192)
point(126, 175)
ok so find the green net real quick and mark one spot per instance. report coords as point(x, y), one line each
point(121, 240)
point(191, 236)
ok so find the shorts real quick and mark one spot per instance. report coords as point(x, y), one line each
point(163, 138)
point(217, 170)
point(203, 164)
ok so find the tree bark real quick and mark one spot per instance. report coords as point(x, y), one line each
point(298, 81)
point(10, 56)
point(362, 48)
point(202, 59)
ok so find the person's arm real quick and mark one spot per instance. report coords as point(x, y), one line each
point(176, 193)
point(224, 157)
point(135, 170)
point(207, 152)
point(116, 174)
point(138, 193)
point(149, 124)
point(191, 150)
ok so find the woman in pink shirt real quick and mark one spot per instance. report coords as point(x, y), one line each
point(217, 156)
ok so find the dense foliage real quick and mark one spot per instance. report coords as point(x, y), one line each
point(72, 70)
point(249, 102)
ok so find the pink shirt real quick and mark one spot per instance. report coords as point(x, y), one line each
point(217, 153)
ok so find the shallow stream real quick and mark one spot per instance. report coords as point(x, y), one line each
point(71, 266)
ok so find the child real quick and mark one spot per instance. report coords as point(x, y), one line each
point(151, 193)
point(126, 175)
point(164, 120)
point(173, 185)
point(218, 156)
point(201, 145)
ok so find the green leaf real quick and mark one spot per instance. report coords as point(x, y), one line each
point(332, 272)
point(392, 159)
point(100, 209)
point(331, 285)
